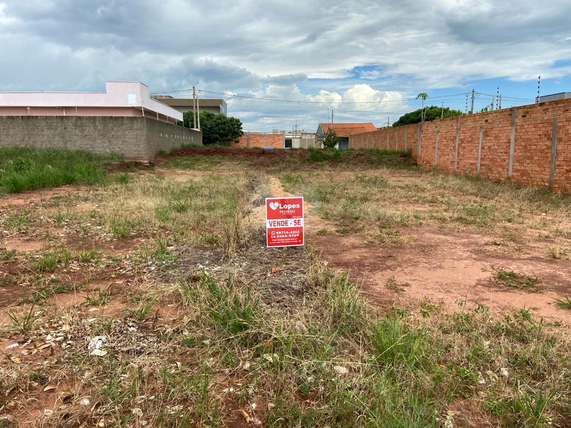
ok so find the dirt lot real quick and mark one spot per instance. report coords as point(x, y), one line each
point(124, 278)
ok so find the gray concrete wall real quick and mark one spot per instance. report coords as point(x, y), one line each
point(136, 138)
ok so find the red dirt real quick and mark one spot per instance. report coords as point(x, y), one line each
point(449, 267)
point(37, 196)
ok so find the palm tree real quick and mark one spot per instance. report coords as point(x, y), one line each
point(424, 96)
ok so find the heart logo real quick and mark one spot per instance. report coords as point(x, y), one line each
point(274, 205)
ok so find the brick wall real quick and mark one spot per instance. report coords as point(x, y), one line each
point(136, 138)
point(482, 144)
point(399, 138)
point(259, 139)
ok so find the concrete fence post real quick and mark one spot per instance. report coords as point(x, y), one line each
point(553, 153)
point(247, 140)
point(405, 138)
point(436, 149)
point(457, 144)
point(387, 131)
point(419, 143)
point(512, 144)
point(396, 138)
point(266, 140)
point(480, 149)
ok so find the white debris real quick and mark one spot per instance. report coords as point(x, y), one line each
point(272, 358)
point(504, 372)
point(95, 346)
point(84, 402)
point(341, 370)
point(12, 346)
point(481, 380)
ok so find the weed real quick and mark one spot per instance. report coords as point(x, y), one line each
point(122, 178)
point(7, 254)
point(141, 312)
point(50, 261)
point(99, 296)
point(26, 323)
point(163, 251)
point(120, 227)
point(59, 218)
point(26, 169)
point(18, 221)
point(89, 256)
point(563, 303)
point(395, 286)
point(517, 281)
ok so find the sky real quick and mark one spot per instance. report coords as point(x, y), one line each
point(282, 64)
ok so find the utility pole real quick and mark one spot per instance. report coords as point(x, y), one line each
point(194, 121)
point(198, 110)
point(538, 89)
point(442, 111)
point(331, 116)
point(473, 96)
point(498, 99)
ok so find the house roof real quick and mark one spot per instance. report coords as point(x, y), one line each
point(346, 129)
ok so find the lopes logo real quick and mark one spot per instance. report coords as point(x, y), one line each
point(275, 205)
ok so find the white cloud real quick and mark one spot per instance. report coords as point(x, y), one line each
point(307, 51)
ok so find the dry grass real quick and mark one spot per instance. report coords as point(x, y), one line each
point(203, 326)
point(382, 202)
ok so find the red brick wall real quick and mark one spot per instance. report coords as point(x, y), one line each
point(400, 138)
point(258, 139)
point(532, 144)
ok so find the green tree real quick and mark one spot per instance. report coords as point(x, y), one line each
point(430, 113)
point(216, 128)
point(329, 139)
point(424, 96)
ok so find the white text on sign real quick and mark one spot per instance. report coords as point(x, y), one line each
point(285, 223)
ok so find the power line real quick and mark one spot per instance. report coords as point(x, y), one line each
point(450, 98)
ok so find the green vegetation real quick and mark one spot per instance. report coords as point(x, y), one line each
point(50, 261)
point(430, 113)
point(26, 322)
point(563, 303)
point(23, 169)
point(517, 281)
point(328, 139)
point(216, 128)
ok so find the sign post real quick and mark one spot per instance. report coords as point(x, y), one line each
point(284, 222)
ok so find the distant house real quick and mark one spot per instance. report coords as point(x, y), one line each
point(344, 130)
point(183, 105)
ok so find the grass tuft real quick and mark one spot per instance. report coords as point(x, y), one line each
point(516, 281)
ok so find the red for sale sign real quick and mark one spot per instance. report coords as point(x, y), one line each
point(284, 222)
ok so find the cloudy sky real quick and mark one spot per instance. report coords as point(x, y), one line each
point(278, 63)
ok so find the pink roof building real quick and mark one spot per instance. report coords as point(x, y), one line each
point(126, 99)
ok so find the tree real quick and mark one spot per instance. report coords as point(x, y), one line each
point(430, 113)
point(424, 96)
point(216, 128)
point(329, 139)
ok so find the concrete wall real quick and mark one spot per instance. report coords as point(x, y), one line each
point(528, 144)
point(258, 139)
point(136, 138)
